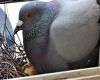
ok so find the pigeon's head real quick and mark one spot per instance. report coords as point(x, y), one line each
point(33, 15)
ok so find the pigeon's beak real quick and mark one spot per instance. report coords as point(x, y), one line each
point(18, 26)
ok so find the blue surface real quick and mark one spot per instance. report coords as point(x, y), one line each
point(9, 26)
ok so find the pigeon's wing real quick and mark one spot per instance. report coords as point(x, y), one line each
point(75, 32)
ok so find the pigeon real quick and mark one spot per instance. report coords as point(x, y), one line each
point(60, 35)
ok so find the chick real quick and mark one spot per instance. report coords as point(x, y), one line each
point(29, 69)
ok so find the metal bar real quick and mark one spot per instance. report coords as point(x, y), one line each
point(3, 2)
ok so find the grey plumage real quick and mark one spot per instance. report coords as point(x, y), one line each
point(59, 34)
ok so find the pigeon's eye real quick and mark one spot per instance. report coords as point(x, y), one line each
point(29, 15)
point(35, 13)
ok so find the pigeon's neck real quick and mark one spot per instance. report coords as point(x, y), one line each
point(43, 25)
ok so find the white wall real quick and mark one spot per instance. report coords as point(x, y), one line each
point(13, 13)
